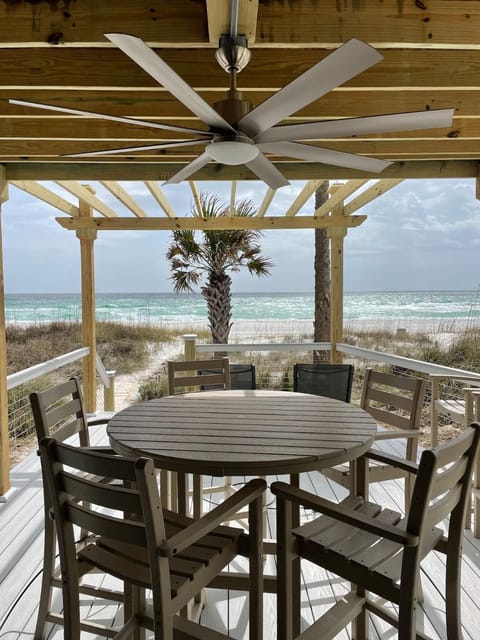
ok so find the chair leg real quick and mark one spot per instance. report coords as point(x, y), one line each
point(255, 526)
point(452, 596)
point(296, 566)
point(407, 616)
point(44, 606)
point(285, 559)
point(361, 622)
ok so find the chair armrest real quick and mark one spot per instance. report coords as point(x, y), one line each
point(199, 528)
point(105, 450)
point(335, 511)
point(394, 461)
point(453, 376)
point(398, 433)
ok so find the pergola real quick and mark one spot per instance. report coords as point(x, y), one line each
point(56, 53)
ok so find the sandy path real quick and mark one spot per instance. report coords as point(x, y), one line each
point(126, 385)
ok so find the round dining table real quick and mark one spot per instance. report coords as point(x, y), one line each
point(251, 433)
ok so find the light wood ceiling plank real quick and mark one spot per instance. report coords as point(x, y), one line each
point(50, 197)
point(220, 223)
point(219, 19)
point(196, 196)
point(160, 197)
point(335, 198)
point(301, 23)
point(376, 190)
point(156, 104)
point(124, 197)
point(302, 197)
point(53, 170)
point(87, 196)
point(267, 199)
point(68, 68)
point(67, 24)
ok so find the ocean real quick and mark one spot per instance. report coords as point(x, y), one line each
point(159, 308)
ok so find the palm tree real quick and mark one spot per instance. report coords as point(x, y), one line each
point(212, 258)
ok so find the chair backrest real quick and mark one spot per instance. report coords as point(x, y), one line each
point(322, 379)
point(187, 374)
point(59, 412)
point(126, 511)
point(443, 485)
point(242, 376)
point(392, 399)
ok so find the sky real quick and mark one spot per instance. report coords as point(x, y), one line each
point(421, 235)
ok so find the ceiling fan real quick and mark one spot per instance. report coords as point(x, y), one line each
point(241, 134)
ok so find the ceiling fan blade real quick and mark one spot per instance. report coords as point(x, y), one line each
point(189, 169)
point(437, 118)
point(343, 64)
point(266, 171)
point(93, 114)
point(148, 147)
point(325, 156)
point(147, 59)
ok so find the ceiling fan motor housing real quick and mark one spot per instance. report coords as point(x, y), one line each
point(233, 107)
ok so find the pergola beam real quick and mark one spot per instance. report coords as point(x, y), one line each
point(418, 169)
point(197, 223)
point(377, 189)
point(46, 195)
point(124, 197)
point(86, 196)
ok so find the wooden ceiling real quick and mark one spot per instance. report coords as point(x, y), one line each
point(55, 52)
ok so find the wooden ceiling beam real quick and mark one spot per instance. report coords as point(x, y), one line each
point(160, 197)
point(82, 193)
point(373, 192)
point(51, 170)
point(157, 104)
point(54, 68)
point(197, 223)
point(46, 195)
point(196, 196)
point(219, 19)
point(339, 196)
point(436, 23)
point(267, 199)
point(302, 197)
point(124, 197)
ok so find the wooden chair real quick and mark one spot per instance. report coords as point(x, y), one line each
point(376, 549)
point(395, 401)
point(188, 374)
point(195, 375)
point(57, 412)
point(461, 411)
point(134, 540)
point(322, 379)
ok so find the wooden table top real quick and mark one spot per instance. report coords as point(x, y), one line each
point(243, 432)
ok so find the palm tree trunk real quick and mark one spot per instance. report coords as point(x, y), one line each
point(322, 280)
point(218, 296)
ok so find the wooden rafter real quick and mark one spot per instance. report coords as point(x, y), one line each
point(160, 197)
point(124, 197)
point(88, 197)
point(46, 195)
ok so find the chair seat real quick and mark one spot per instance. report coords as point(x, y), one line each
point(210, 554)
point(350, 552)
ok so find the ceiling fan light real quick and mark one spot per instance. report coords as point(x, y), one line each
point(232, 152)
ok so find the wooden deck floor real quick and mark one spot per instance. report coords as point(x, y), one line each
point(21, 525)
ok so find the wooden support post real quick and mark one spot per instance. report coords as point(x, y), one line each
point(109, 393)
point(336, 235)
point(4, 438)
point(189, 350)
point(89, 339)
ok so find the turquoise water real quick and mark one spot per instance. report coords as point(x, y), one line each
point(168, 307)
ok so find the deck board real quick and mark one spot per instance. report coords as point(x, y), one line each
point(21, 526)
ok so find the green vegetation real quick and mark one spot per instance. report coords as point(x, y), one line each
point(122, 347)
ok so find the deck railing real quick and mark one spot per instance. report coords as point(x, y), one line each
point(22, 383)
point(453, 391)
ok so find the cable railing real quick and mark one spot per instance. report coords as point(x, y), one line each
point(40, 376)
